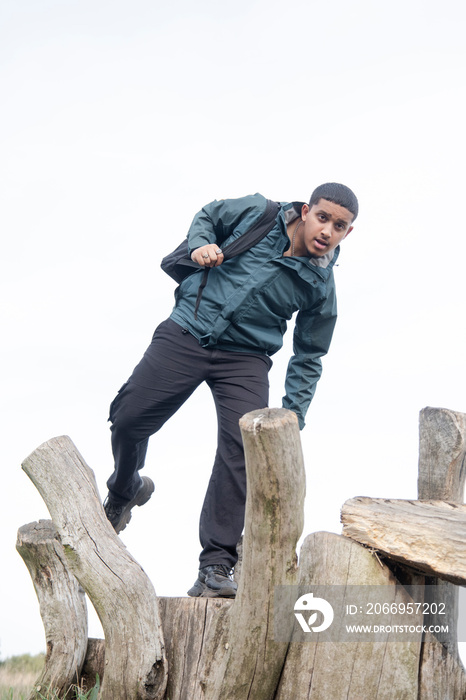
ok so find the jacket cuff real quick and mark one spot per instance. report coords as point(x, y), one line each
point(298, 415)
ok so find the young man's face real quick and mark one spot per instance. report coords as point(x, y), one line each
point(326, 224)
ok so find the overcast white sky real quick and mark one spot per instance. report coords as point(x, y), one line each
point(119, 120)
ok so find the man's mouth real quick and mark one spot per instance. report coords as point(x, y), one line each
point(321, 243)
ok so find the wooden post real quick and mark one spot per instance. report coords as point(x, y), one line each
point(252, 661)
point(135, 660)
point(442, 455)
point(62, 608)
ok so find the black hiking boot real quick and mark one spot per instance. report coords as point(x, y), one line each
point(215, 581)
point(119, 514)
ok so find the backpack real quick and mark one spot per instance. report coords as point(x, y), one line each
point(178, 264)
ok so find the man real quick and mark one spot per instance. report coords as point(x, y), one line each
point(226, 339)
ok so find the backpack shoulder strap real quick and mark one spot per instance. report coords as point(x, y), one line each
point(249, 239)
point(256, 233)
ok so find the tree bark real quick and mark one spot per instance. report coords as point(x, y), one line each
point(442, 455)
point(192, 629)
point(62, 608)
point(135, 660)
point(94, 665)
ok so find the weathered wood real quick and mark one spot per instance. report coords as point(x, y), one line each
point(227, 648)
point(187, 623)
point(442, 454)
point(242, 660)
point(191, 626)
point(94, 665)
point(312, 671)
point(222, 648)
point(135, 660)
point(347, 670)
point(427, 535)
point(62, 607)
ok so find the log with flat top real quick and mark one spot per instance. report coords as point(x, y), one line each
point(428, 536)
point(62, 606)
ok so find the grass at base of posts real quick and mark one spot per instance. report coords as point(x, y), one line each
point(23, 693)
point(19, 674)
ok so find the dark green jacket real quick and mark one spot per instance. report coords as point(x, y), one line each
point(248, 300)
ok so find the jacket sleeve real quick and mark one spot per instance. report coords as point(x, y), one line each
point(219, 219)
point(311, 341)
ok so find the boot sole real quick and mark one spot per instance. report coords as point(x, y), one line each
point(210, 593)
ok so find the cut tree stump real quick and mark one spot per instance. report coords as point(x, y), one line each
point(62, 607)
point(347, 670)
point(135, 660)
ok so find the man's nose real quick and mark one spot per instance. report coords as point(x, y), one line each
point(327, 229)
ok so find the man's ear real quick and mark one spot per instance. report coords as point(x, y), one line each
point(304, 211)
point(349, 231)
